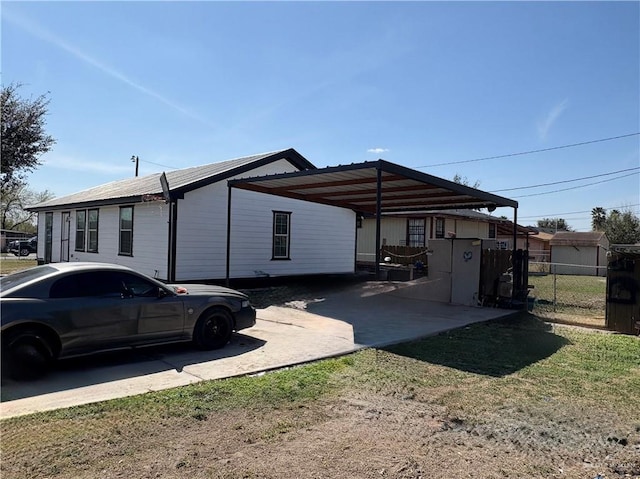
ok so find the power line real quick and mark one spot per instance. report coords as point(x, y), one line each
point(158, 164)
point(576, 187)
point(566, 181)
point(530, 151)
point(578, 212)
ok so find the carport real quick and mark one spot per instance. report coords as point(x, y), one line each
point(373, 188)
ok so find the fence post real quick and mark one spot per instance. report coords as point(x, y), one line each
point(555, 287)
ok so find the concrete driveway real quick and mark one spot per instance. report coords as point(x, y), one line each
point(372, 314)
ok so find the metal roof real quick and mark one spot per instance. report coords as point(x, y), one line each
point(355, 187)
point(576, 238)
point(180, 181)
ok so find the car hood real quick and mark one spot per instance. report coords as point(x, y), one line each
point(207, 289)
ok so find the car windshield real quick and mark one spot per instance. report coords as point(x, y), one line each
point(21, 277)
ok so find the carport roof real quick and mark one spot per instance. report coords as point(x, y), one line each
point(355, 187)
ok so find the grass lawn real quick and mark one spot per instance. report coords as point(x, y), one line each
point(575, 296)
point(509, 398)
point(10, 263)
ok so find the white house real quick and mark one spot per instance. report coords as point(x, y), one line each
point(178, 231)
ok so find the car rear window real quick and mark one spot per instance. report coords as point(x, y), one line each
point(22, 277)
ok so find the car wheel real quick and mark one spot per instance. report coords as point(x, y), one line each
point(213, 329)
point(24, 252)
point(28, 356)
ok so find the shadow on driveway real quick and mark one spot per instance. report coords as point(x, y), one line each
point(120, 365)
point(383, 313)
point(497, 349)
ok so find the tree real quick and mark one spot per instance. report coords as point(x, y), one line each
point(463, 180)
point(14, 198)
point(598, 218)
point(554, 224)
point(622, 227)
point(24, 138)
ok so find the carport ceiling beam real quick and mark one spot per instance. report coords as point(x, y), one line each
point(330, 184)
point(295, 196)
point(426, 191)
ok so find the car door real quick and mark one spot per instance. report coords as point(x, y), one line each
point(160, 313)
point(91, 312)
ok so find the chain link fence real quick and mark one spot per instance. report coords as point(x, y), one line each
point(575, 293)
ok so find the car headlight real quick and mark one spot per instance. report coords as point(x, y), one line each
point(245, 303)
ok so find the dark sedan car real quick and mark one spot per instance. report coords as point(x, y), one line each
point(70, 309)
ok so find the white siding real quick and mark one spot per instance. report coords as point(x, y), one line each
point(584, 259)
point(150, 238)
point(471, 229)
point(322, 237)
point(393, 232)
point(462, 228)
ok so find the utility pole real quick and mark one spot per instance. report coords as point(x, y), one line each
point(135, 160)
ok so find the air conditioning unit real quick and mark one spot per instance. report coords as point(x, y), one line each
point(502, 245)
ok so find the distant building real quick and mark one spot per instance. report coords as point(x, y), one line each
point(577, 253)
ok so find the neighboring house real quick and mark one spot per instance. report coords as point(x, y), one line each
point(416, 229)
point(129, 222)
point(539, 247)
point(530, 238)
point(580, 253)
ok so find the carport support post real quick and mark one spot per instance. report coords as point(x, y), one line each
point(515, 280)
point(378, 213)
point(228, 231)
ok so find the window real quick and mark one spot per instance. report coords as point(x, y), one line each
point(126, 231)
point(102, 284)
point(492, 230)
point(79, 285)
point(415, 232)
point(87, 230)
point(92, 244)
point(81, 226)
point(281, 234)
point(439, 227)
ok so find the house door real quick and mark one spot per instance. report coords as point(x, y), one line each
point(48, 236)
point(65, 230)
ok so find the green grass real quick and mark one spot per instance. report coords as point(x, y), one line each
point(289, 386)
point(577, 295)
point(483, 366)
point(503, 377)
point(11, 264)
point(506, 358)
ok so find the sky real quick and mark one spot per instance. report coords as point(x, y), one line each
point(441, 87)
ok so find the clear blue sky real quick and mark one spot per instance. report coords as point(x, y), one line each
point(419, 84)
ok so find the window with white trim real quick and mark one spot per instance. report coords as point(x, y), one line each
point(281, 234)
point(87, 230)
point(416, 232)
point(125, 246)
point(81, 229)
point(492, 230)
point(439, 227)
point(92, 231)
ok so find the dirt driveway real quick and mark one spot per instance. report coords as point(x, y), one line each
point(308, 324)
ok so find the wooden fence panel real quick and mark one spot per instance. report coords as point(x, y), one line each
point(494, 264)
